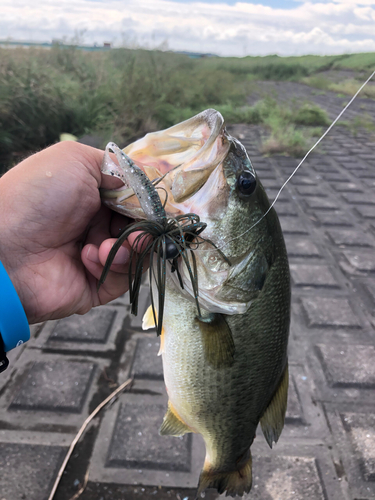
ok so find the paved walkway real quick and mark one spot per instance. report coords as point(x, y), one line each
point(327, 449)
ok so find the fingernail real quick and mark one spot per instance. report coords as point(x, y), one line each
point(122, 256)
point(93, 254)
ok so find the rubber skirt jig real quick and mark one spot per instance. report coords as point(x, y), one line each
point(162, 238)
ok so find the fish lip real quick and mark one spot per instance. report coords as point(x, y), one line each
point(183, 180)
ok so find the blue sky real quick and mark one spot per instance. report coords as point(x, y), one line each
point(286, 4)
point(223, 27)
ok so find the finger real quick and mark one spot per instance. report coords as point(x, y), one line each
point(139, 244)
point(118, 224)
point(116, 283)
point(99, 229)
point(121, 259)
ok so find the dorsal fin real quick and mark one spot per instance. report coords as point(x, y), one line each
point(272, 421)
point(172, 424)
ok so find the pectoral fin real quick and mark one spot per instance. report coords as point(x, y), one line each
point(272, 421)
point(148, 320)
point(172, 424)
point(217, 341)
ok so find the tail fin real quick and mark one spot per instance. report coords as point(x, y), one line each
point(235, 482)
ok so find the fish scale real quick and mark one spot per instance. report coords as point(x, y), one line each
point(226, 405)
point(225, 369)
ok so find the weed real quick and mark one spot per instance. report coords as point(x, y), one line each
point(350, 87)
point(311, 115)
point(286, 140)
point(362, 61)
point(123, 93)
point(364, 122)
point(342, 89)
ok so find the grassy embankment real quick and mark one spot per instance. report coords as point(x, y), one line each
point(122, 94)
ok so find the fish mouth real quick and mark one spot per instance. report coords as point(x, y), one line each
point(182, 158)
point(188, 166)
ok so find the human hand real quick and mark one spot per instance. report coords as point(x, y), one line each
point(55, 235)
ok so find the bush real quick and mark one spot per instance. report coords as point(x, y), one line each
point(311, 115)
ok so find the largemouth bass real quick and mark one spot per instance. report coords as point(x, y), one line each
point(226, 368)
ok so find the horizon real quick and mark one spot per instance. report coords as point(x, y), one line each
point(221, 27)
point(51, 43)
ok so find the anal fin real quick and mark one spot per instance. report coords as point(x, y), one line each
point(217, 340)
point(272, 421)
point(172, 424)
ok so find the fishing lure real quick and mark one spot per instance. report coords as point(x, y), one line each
point(164, 239)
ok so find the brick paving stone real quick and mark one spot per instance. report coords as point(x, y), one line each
point(303, 180)
point(329, 312)
point(294, 412)
point(286, 209)
point(349, 187)
point(311, 275)
point(265, 174)
point(137, 444)
point(28, 471)
point(350, 237)
point(359, 198)
point(273, 183)
point(366, 174)
point(324, 383)
point(336, 218)
point(361, 260)
point(318, 203)
point(283, 198)
point(348, 365)
point(147, 364)
point(285, 478)
point(323, 168)
point(311, 191)
point(335, 177)
point(292, 225)
point(92, 327)
point(370, 288)
point(55, 386)
point(361, 429)
point(366, 212)
point(301, 247)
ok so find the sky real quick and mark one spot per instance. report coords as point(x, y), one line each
point(222, 27)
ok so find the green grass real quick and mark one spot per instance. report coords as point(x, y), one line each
point(122, 94)
point(291, 129)
point(44, 93)
point(343, 88)
point(360, 123)
point(359, 62)
point(311, 115)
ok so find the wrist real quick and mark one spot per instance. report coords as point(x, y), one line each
point(14, 327)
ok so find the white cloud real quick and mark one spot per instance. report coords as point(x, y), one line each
point(330, 27)
point(354, 2)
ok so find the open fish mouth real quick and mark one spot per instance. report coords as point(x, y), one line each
point(187, 165)
point(179, 161)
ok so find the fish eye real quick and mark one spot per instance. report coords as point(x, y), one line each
point(246, 183)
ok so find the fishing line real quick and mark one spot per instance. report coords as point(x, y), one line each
point(302, 161)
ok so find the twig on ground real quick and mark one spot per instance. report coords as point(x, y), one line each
point(81, 431)
point(83, 487)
